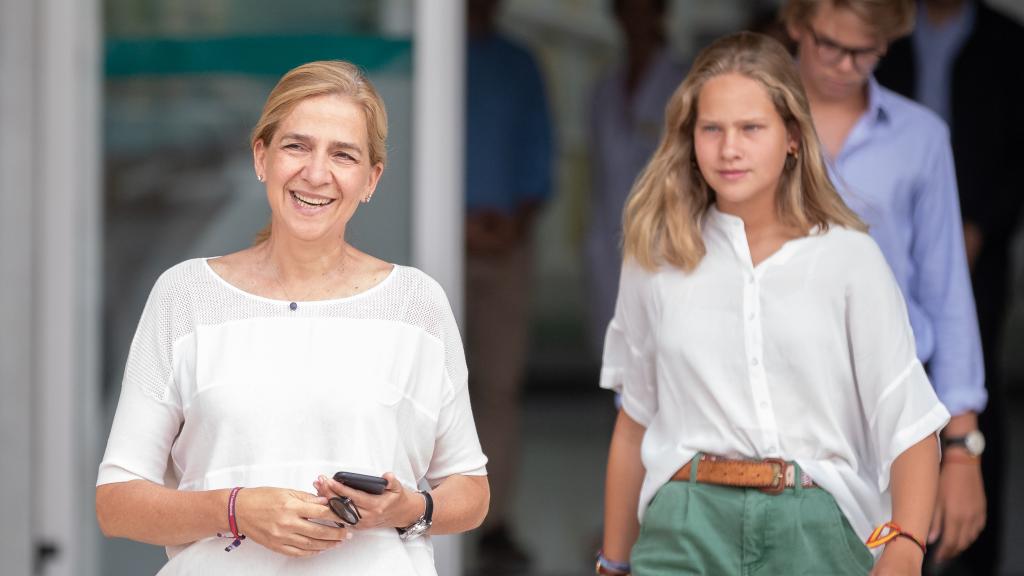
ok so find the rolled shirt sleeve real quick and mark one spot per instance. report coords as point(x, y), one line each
point(628, 366)
point(899, 404)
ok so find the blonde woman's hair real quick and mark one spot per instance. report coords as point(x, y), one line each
point(663, 215)
point(326, 77)
point(890, 19)
point(323, 78)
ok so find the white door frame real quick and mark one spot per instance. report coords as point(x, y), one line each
point(439, 48)
point(50, 240)
point(16, 143)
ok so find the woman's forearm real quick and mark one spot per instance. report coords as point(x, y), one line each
point(915, 483)
point(460, 504)
point(146, 512)
point(623, 479)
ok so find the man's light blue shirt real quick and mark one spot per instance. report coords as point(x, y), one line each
point(896, 171)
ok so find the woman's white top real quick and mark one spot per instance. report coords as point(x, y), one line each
point(224, 388)
point(809, 356)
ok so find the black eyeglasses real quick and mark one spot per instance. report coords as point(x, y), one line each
point(345, 509)
point(831, 53)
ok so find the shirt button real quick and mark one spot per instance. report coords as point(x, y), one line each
point(753, 362)
point(751, 316)
point(750, 280)
point(763, 405)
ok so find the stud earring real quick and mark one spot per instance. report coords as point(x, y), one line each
point(259, 177)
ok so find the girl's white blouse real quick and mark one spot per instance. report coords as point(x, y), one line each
point(808, 356)
point(224, 388)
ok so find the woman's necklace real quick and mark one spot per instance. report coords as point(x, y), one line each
point(294, 304)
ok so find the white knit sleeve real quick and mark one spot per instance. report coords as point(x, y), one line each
point(456, 445)
point(149, 413)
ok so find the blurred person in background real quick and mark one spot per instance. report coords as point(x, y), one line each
point(774, 411)
point(892, 162)
point(254, 377)
point(508, 179)
point(627, 113)
point(962, 62)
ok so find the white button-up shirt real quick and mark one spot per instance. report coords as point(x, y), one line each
point(808, 356)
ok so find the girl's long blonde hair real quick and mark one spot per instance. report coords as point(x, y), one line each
point(662, 218)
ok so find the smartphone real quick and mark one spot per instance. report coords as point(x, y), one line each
point(369, 484)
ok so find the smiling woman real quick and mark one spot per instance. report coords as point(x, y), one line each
point(261, 373)
point(317, 168)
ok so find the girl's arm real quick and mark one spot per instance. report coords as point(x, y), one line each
point(622, 489)
point(914, 480)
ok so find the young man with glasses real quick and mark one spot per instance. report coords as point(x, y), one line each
point(959, 62)
point(892, 162)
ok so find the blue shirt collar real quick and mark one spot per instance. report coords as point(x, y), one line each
point(878, 101)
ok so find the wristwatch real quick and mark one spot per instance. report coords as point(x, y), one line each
point(973, 442)
point(422, 524)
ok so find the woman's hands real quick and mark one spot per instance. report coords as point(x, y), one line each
point(280, 520)
point(395, 508)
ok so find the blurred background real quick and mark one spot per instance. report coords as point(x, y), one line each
point(124, 128)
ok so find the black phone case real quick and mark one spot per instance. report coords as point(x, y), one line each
point(368, 484)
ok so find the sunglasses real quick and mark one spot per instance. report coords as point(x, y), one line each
point(345, 509)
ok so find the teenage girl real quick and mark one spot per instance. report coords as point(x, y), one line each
point(774, 413)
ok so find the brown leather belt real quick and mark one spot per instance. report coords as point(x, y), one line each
point(771, 475)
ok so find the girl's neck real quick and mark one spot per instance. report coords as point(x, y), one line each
point(761, 224)
point(759, 214)
point(765, 232)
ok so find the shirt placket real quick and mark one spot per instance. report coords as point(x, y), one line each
point(757, 377)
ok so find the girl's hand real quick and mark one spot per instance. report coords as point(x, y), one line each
point(280, 520)
point(901, 557)
point(395, 508)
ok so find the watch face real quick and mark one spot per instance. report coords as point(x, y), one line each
point(420, 527)
point(975, 442)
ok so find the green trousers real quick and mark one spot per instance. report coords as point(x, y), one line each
point(693, 528)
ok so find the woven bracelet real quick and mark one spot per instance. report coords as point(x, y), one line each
point(232, 521)
point(889, 531)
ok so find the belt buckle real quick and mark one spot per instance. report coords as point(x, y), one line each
point(778, 476)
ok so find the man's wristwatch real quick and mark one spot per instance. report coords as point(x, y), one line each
point(973, 442)
point(422, 524)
